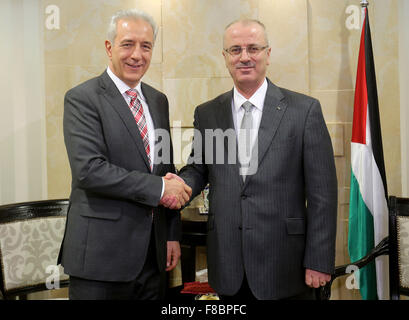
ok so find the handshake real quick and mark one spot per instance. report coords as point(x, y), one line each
point(176, 193)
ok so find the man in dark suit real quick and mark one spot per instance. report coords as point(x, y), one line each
point(272, 215)
point(118, 242)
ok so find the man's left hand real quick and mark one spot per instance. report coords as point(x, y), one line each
point(173, 255)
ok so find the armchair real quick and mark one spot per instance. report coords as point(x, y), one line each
point(30, 238)
point(396, 246)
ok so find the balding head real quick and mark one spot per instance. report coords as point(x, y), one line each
point(245, 22)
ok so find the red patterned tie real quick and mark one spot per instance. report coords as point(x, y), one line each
point(137, 110)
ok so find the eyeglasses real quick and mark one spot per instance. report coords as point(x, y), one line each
point(252, 50)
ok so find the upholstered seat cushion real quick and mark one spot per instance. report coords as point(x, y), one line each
point(403, 248)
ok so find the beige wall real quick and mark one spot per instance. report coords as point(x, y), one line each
point(404, 91)
point(312, 52)
point(23, 171)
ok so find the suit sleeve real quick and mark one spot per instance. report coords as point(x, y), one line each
point(87, 154)
point(195, 173)
point(174, 225)
point(321, 193)
point(173, 219)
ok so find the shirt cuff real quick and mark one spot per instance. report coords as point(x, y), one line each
point(163, 188)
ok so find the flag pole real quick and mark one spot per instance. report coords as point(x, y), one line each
point(364, 3)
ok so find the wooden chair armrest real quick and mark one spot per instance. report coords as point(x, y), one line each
point(324, 293)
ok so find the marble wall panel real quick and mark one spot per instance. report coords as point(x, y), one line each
point(337, 105)
point(343, 166)
point(385, 35)
point(186, 94)
point(341, 256)
point(287, 29)
point(153, 76)
point(343, 196)
point(336, 131)
point(182, 144)
point(332, 47)
point(83, 25)
point(193, 34)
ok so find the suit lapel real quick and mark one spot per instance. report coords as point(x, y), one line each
point(225, 122)
point(117, 102)
point(224, 113)
point(154, 110)
point(153, 106)
point(273, 111)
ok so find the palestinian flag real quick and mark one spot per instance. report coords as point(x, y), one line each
point(368, 210)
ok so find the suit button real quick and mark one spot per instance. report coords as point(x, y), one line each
point(243, 196)
point(240, 228)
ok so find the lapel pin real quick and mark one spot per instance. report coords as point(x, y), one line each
point(278, 108)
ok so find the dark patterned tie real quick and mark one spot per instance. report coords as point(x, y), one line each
point(137, 110)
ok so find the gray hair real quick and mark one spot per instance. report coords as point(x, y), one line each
point(132, 14)
point(247, 21)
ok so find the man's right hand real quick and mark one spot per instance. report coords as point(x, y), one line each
point(176, 193)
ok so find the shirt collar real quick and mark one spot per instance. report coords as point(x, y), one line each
point(123, 87)
point(257, 99)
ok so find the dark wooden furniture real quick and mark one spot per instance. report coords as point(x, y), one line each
point(194, 229)
point(396, 246)
point(193, 235)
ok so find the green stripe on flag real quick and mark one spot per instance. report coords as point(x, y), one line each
point(361, 239)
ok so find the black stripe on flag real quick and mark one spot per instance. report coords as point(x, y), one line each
point(373, 106)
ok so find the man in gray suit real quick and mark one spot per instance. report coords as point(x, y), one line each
point(118, 242)
point(272, 215)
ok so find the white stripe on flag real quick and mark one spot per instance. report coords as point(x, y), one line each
point(371, 187)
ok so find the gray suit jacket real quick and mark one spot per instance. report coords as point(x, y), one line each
point(282, 219)
point(113, 191)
